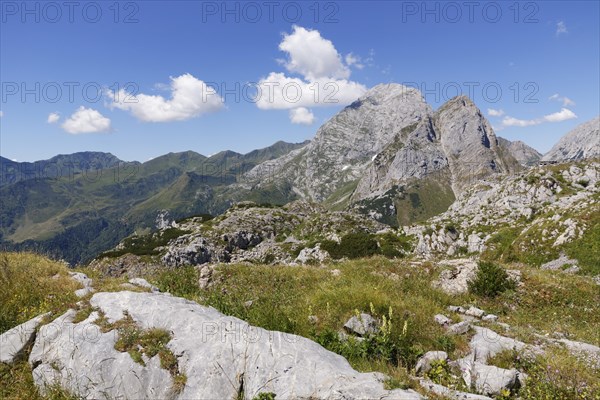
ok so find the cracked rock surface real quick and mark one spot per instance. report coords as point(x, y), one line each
point(219, 355)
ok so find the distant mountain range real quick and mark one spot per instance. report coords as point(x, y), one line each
point(78, 205)
point(387, 155)
point(60, 166)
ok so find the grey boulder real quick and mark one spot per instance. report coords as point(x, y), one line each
point(475, 312)
point(219, 355)
point(144, 284)
point(424, 364)
point(362, 325)
point(14, 341)
point(459, 328)
point(448, 393)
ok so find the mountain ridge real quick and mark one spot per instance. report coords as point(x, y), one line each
point(581, 142)
point(388, 155)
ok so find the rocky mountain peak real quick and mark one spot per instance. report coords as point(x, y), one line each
point(346, 144)
point(523, 153)
point(580, 143)
point(470, 143)
point(386, 139)
point(386, 92)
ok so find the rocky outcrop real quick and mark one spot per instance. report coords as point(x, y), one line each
point(362, 325)
point(524, 154)
point(470, 144)
point(14, 341)
point(84, 281)
point(551, 201)
point(448, 393)
point(313, 255)
point(425, 363)
point(580, 143)
point(221, 357)
point(164, 220)
point(563, 263)
point(345, 145)
point(387, 139)
point(141, 282)
point(247, 232)
point(455, 280)
point(413, 154)
point(474, 369)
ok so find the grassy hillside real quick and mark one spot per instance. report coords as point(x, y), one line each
point(283, 298)
point(50, 214)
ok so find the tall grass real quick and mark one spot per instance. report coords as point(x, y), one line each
point(32, 285)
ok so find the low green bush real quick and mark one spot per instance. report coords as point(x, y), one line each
point(490, 280)
point(146, 244)
point(352, 245)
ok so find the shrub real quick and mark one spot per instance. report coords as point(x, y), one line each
point(352, 245)
point(203, 217)
point(146, 244)
point(451, 228)
point(440, 372)
point(394, 246)
point(490, 281)
point(386, 345)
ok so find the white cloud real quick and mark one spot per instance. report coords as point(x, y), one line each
point(86, 120)
point(561, 28)
point(53, 118)
point(1, 114)
point(190, 97)
point(495, 113)
point(312, 56)
point(510, 121)
point(302, 116)
point(565, 100)
point(353, 60)
point(563, 115)
point(324, 80)
point(280, 92)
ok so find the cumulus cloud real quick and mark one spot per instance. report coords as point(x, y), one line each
point(353, 60)
point(495, 113)
point(312, 56)
point(190, 97)
point(302, 116)
point(565, 100)
point(561, 28)
point(53, 118)
point(563, 115)
point(280, 92)
point(510, 121)
point(86, 120)
point(324, 78)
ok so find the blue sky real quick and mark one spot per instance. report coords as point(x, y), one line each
point(543, 56)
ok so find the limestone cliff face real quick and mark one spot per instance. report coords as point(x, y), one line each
point(414, 154)
point(388, 138)
point(345, 145)
point(580, 143)
point(456, 138)
point(470, 144)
